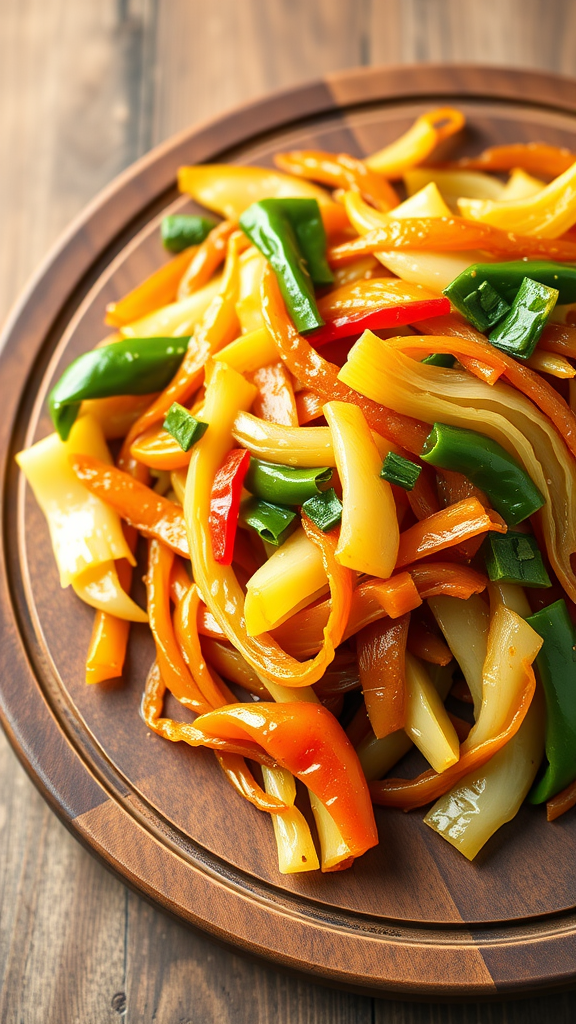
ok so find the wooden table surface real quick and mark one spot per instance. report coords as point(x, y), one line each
point(86, 87)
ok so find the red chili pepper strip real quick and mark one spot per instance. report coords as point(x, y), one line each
point(378, 319)
point(308, 741)
point(381, 649)
point(320, 376)
point(225, 503)
point(151, 514)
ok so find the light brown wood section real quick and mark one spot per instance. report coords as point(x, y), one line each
point(86, 86)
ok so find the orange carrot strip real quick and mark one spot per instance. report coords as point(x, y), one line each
point(444, 529)
point(207, 258)
point(218, 327)
point(423, 499)
point(462, 340)
point(561, 803)
point(560, 339)
point(185, 623)
point(410, 793)
point(157, 290)
point(537, 158)
point(450, 234)
point(159, 450)
point(150, 513)
point(230, 663)
point(107, 650)
point(435, 578)
point(172, 666)
point(109, 640)
point(340, 171)
point(373, 599)
point(427, 645)
point(308, 406)
point(239, 775)
point(381, 651)
point(320, 376)
point(152, 705)
point(275, 400)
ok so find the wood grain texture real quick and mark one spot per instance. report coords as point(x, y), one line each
point(85, 88)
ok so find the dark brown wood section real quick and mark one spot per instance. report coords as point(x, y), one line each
point(424, 926)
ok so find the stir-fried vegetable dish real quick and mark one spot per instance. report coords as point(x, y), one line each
point(340, 420)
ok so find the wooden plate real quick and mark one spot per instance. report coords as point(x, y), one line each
point(413, 916)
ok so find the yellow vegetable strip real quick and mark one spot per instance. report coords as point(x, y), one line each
point(369, 534)
point(296, 851)
point(520, 185)
point(455, 183)
point(84, 531)
point(334, 851)
point(291, 578)
point(379, 370)
point(226, 394)
point(427, 722)
point(548, 362)
point(485, 799)
point(417, 143)
point(177, 319)
point(229, 190)
point(434, 270)
point(218, 327)
point(249, 352)
point(508, 692)
point(548, 213)
point(465, 625)
point(100, 587)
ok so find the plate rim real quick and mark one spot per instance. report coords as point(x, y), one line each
point(58, 286)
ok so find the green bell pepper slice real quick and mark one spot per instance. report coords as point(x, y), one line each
point(519, 332)
point(506, 279)
point(137, 366)
point(488, 465)
point(284, 485)
point(179, 231)
point(515, 557)
point(290, 234)
point(556, 663)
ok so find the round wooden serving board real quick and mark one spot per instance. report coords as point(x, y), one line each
point(412, 917)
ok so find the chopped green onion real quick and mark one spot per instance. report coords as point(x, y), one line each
point(284, 485)
point(400, 471)
point(519, 333)
point(515, 557)
point(440, 359)
point(484, 307)
point(273, 523)
point(181, 230)
point(183, 426)
point(324, 509)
